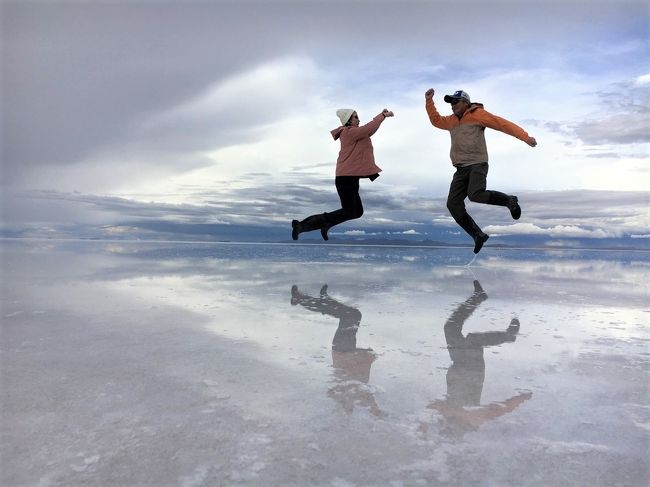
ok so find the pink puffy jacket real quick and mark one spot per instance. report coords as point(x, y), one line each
point(356, 157)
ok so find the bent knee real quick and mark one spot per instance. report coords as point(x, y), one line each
point(354, 213)
point(478, 197)
point(454, 207)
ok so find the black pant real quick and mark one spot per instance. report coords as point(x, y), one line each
point(351, 207)
point(470, 182)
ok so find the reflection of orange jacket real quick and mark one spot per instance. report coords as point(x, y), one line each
point(468, 133)
point(356, 157)
point(475, 417)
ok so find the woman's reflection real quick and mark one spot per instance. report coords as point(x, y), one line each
point(351, 364)
point(465, 376)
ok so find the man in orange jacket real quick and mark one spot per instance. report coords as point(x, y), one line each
point(470, 158)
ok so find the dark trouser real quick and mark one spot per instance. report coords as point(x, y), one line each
point(348, 189)
point(470, 182)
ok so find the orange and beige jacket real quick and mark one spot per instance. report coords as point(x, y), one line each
point(468, 133)
point(356, 157)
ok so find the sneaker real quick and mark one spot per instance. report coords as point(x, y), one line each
point(479, 241)
point(513, 206)
point(295, 226)
point(513, 329)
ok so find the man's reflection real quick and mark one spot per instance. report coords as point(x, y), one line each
point(465, 376)
point(351, 364)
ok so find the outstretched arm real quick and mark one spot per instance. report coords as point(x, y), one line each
point(367, 130)
point(506, 126)
point(477, 416)
point(436, 119)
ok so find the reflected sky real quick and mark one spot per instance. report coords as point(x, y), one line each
point(399, 359)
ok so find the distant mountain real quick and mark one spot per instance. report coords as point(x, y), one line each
point(434, 236)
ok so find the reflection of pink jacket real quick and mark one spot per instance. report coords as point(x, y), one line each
point(356, 157)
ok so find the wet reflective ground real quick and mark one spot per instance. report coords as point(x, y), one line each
point(294, 365)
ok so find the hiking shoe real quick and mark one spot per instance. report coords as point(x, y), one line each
point(295, 295)
point(479, 241)
point(295, 229)
point(478, 290)
point(513, 206)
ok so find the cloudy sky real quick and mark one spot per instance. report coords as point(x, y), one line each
point(220, 112)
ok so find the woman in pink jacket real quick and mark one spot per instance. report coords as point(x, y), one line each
point(356, 160)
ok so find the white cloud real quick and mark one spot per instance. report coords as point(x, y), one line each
point(557, 231)
point(261, 94)
point(240, 112)
point(642, 80)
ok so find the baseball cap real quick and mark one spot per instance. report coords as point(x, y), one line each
point(460, 94)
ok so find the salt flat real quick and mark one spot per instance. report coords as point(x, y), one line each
point(131, 363)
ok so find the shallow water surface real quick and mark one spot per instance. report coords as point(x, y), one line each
point(129, 363)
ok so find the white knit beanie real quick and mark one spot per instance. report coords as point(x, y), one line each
point(344, 114)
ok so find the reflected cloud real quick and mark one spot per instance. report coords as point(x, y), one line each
point(462, 409)
point(351, 364)
point(225, 364)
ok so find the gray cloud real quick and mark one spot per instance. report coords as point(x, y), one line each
point(79, 78)
point(623, 117)
point(582, 214)
point(626, 128)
